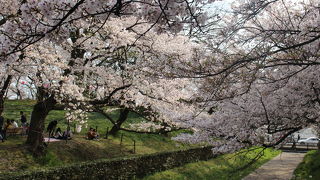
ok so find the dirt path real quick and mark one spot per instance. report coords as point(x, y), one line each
point(279, 168)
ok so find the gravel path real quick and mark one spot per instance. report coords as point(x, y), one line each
point(279, 168)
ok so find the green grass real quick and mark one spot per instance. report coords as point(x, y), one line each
point(228, 167)
point(12, 109)
point(309, 168)
point(14, 155)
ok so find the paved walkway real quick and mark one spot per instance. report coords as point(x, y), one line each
point(279, 168)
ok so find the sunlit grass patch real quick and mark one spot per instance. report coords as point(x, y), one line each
point(229, 166)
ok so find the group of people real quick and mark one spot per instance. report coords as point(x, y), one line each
point(11, 124)
point(51, 129)
point(57, 133)
point(67, 134)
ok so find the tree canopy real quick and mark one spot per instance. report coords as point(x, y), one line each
point(235, 78)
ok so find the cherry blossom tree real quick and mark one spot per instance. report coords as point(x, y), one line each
point(55, 41)
point(261, 79)
point(255, 66)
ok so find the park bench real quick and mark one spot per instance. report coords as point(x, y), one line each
point(15, 131)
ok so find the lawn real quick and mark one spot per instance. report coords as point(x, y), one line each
point(15, 157)
point(309, 168)
point(225, 167)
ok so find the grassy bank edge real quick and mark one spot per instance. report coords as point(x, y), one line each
point(309, 168)
point(226, 167)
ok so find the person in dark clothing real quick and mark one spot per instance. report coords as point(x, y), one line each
point(23, 119)
point(67, 134)
point(90, 134)
point(1, 125)
point(51, 128)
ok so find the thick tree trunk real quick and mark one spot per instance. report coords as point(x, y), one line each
point(122, 118)
point(1, 105)
point(3, 92)
point(38, 116)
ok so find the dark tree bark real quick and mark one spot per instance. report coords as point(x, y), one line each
point(38, 116)
point(3, 92)
point(122, 118)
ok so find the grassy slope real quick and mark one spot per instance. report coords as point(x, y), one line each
point(222, 167)
point(15, 157)
point(309, 168)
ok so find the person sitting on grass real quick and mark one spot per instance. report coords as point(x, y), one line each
point(95, 134)
point(67, 134)
point(8, 124)
point(92, 134)
point(58, 134)
point(14, 123)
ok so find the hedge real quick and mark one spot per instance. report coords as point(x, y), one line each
point(125, 168)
